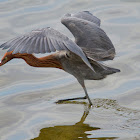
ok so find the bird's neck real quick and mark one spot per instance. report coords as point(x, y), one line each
point(47, 61)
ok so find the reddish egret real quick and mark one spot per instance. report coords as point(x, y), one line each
point(80, 58)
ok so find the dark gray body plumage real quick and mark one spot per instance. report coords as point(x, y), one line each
point(74, 65)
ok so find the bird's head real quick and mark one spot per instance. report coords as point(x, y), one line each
point(6, 58)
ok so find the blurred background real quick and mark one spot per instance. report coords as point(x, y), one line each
point(28, 95)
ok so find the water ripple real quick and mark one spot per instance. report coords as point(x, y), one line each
point(33, 91)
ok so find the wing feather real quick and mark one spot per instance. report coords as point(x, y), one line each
point(52, 49)
point(86, 15)
point(42, 41)
point(7, 44)
point(90, 37)
point(20, 43)
point(36, 46)
point(46, 45)
point(11, 44)
point(32, 43)
point(23, 45)
point(16, 43)
point(55, 44)
point(42, 49)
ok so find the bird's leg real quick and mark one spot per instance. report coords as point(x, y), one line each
point(85, 97)
point(81, 81)
point(78, 98)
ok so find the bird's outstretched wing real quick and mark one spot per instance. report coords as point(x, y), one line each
point(89, 36)
point(43, 41)
point(86, 15)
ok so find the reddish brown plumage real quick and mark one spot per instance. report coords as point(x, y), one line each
point(47, 61)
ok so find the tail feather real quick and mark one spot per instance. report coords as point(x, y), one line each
point(111, 70)
point(101, 68)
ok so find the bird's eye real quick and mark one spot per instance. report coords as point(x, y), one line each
point(5, 58)
point(67, 56)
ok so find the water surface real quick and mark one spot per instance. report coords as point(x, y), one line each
point(28, 95)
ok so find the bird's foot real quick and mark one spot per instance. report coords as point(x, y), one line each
point(78, 98)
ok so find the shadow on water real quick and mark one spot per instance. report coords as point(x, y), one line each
point(71, 132)
point(129, 121)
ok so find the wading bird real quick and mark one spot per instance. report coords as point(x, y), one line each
point(80, 58)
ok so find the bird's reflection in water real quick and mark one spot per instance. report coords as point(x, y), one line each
point(71, 132)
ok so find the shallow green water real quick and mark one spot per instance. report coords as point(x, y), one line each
point(27, 95)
